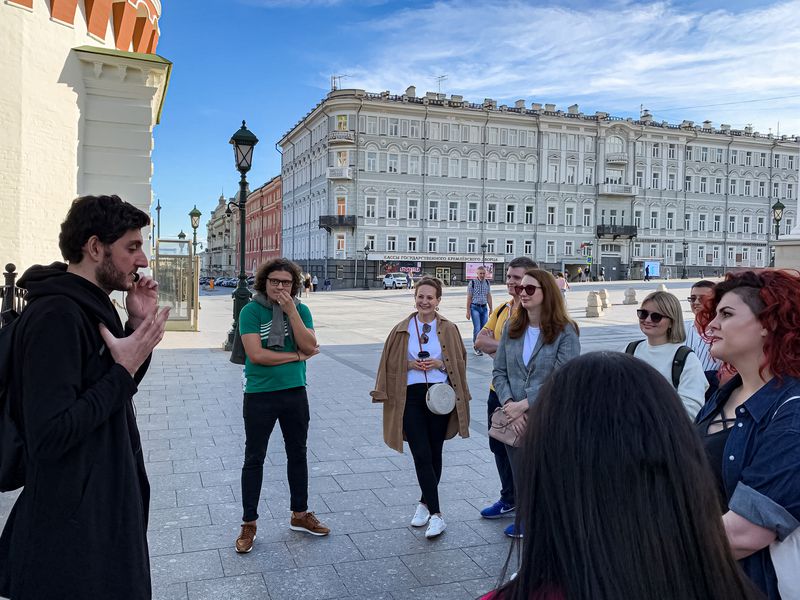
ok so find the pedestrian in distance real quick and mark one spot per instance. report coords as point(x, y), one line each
point(327, 284)
point(615, 494)
point(751, 426)
point(314, 283)
point(307, 283)
point(479, 303)
point(278, 338)
point(696, 340)
point(79, 527)
point(538, 337)
point(647, 273)
point(487, 341)
point(562, 283)
point(422, 350)
point(663, 348)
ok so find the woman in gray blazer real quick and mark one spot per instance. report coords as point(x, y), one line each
point(538, 337)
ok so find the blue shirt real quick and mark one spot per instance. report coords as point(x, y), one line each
point(761, 465)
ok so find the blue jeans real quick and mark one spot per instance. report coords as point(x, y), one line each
point(479, 315)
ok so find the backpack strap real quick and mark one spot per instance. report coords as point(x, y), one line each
point(678, 362)
point(631, 347)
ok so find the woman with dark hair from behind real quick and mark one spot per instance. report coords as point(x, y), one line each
point(615, 493)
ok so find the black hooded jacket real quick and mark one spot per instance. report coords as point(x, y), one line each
point(79, 527)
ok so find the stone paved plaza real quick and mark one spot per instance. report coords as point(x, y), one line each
point(189, 412)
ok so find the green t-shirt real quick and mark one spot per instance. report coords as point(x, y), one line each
point(255, 318)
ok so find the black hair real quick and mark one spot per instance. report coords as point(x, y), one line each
point(277, 264)
point(107, 217)
point(615, 498)
point(524, 262)
point(704, 283)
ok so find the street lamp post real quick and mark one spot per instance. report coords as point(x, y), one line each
point(195, 215)
point(777, 215)
point(685, 274)
point(243, 142)
point(366, 256)
point(483, 254)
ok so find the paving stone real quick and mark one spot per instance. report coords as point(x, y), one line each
point(188, 566)
point(164, 542)
point(197, 465)
point(362, 481)
point(371, 465)
point(208, 537)
point(311, 551)
point(246, 586)
point(178, 481)
point(164, 467)
point(206, 495)
point(492, 557)
point(347, 522)
point(328, 467)
point(176, 518)
point(379, 575)
point(390, 542)
point(172, 591)
point(447, 591)
point(319, 583)
point(445, 566)
point(264, 557)
point(163, 499)
point(357, 500)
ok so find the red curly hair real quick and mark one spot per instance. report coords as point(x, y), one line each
point(774, 297)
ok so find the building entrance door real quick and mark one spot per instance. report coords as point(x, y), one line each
point(443, 274)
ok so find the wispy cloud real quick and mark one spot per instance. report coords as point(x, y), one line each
point(612, 58)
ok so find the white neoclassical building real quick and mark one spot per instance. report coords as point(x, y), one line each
point(220, 258)
point(438, 182)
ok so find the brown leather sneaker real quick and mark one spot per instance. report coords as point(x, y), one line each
point(244, 543)
point(308, 523)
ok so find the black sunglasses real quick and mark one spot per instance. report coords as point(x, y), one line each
point(654, 316)
point(529, 289)
point(426, 328)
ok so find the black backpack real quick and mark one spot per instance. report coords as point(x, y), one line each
point(678, 361)
point(12, 447)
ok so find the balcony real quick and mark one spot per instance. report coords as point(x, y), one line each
point(617, 158)
point(329, 222)
point(340, 173)
point(615, 189)
point(341, 137)
point(616, 231)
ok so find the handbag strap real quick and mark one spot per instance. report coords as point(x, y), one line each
point(419, 338)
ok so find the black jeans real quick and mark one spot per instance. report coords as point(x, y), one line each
point(501, 460)
point(261, 411)
point(425, 433)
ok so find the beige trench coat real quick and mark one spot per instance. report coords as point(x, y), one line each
point(390, 383)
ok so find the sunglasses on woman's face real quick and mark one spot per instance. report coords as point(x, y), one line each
point(655, 317)
point(426, 328)
point(528, 289)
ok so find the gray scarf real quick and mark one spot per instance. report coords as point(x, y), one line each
point(279, 325)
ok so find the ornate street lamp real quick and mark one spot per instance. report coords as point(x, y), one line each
point(366, 255)
point(195, 215)
point(685, 274)
point(777, 215)
point(181, 235)
point(483, 254)
point(243, 142)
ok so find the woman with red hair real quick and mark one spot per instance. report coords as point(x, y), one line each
point(751, 426)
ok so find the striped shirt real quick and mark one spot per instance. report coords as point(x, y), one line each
point(479, 290)
point(701, 348)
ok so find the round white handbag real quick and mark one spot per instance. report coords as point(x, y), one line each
point(441, 398)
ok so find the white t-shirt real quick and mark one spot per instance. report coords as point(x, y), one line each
point(414, 347)
point(701, 347)
point(693, 383)
point(531, 337)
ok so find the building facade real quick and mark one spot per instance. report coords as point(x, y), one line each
point(82, 91)
point(221, 235)
point(263, 226)
point(381, 180)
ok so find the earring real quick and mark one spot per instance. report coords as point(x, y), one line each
point(437, 308)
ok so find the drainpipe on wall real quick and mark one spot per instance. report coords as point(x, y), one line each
point(725, 213)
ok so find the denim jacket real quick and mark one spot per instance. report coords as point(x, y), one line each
point(761, 465)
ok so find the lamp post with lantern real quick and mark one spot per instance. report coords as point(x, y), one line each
point(195, 215)
point(685, 274)
point(777, 215)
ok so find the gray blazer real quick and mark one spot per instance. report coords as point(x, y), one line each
point(513, 380)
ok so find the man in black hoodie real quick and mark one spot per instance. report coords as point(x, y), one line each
point(79, 527)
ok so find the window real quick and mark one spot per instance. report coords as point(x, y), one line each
point(733, 187)
point(512, 137)
point(653, 250)
point(341, 122)
point(762, 159)
point(372, 161)
point(511, 213)
point(748, 159)
point(762, 189)
point(746, 224)
point(433, 210)
point(718, 185)
point(614, 176)
point(701, 222)
point(704, 154)
point(433, 244)
point(670, 220)
point(394, 128)
point(759, 257)
point(391, 243)
point(452, 245)
point(588, 175)
point(570, 174)
point(552, 173)
point(391, 208)
point(748, 187)
point(413, 164)
point(372, 125)
point(529, 215)
point(637, 249)
point(613, 219)
point(701, 254)
point(340, 242)
point(715, 254)
point(787, 226)
point(731, 254)
point(569, 216)
point(704, 185)
point(588, 144)
point(445, 131)
point(587, 217)
point(452, 211)
point(731, 223)
point(341, 206)
point(551, 215)
point(412, 244)
point(569, 248)
point(719, 155)
point(790, 190)
point(434, 131)
point(491, 212)
point(394, 160)
point(656, 180)
point(369, 211)
point(615, 144)
point(639, 178)
point(414, 131)
point(688, 153)
point(671, 151)
point(490, 246)
point(472, 244)
point(653, 219)
point(669, 252)
point(551, 249)
point(687, 222)
point(656, 150)
point(472, 212)
point(776, 160)
point(671, 181)
point(746, 254)
point(687, 183)
point(413, 206)
point(637, 218)
point(434, 166)
point(370, 241)
point(528, 247)
point(790, 166)
point(760, 225)
point(734, 156)
point(510, 247)
point(775, 189)
point(717, 223)
point(473, 169)
point(454, 169)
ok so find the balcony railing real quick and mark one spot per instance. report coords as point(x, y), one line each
point(617, 158)
point(340, 173)
point(341, 137)
point(329, 222)
point(615, 189)
point(616, 231)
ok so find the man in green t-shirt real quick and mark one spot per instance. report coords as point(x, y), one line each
point(278, 337)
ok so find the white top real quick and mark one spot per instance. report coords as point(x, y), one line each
point(531, 337)
point(693, 383)
point(701, 347)
point(414, 347)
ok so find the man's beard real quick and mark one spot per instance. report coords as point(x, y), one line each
point(110, 278)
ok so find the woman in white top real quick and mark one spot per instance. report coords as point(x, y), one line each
point(661, 321)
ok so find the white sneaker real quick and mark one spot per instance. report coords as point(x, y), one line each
point(421, 516)
point(435, 527)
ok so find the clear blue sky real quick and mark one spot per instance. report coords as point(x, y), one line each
point(270, 62)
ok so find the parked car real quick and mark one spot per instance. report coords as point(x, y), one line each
point(394, 281)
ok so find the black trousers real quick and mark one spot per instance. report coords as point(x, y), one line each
point(425, 433)
point(501, 460)
point(261, 410)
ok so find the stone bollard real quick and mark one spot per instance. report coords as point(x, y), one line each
point(630, 296)
point(604, 298)
point(594, 306)
point(662, 288)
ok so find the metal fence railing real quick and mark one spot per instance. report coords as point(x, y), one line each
point(12, 298)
